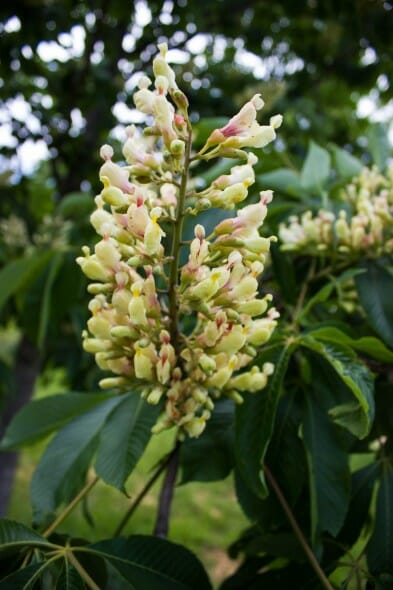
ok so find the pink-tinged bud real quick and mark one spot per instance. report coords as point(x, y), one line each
point(112, 195)
point(143, 364)
point(113, 382)
point(144, 100)
point(136, 307)
point(93, 269)
point(101, 220)
point(246, 289)
point(96, 345)
point(261, 331)
point(121, 299)
point(115, 175)
point(106, 152)
point(222, 376)
point(99, 327)
point(251, 381)
point(153, 232)
point(252, 308)
point(231, 342)
point(107, 253)
point(195, 427)
point(163, 113)
point(123, 332)
point(207, 364)
point(155, 395)
point(162, 68)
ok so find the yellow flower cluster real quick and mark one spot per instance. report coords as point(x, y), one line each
point(363, 224)
point(179, 336)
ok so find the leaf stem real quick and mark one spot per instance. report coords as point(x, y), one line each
point(164, 506)
point(141, 495)
point(52, 527)
point(81, 571)
point(175, 252)
point(303, 290)
point(297, 530)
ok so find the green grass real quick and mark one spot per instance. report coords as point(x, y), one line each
point(204, 517)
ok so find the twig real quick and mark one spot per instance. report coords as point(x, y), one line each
point(297, 530)
point(141, 495)
point(52, 527)
point(164, 506)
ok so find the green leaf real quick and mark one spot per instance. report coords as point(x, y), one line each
point(315, 172)
point(69, 579)
point(15, 535)
point(41, 417)
point(18, 273)
point(346, 165)
point(124, 438)
point(356, 416)
point(149, 563)
point(362, 486)
point(380, 548)
point(22, 579)
point(255, 542)
point(255, 423)
point(45, 312)
point(328, 468)
point(76, 205)
point(62, 468)
point(372, 347)
point(283, 180)
point(379, 144)
point(216, 444)
point(375, 288)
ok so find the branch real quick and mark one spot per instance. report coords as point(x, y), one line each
point(142, 494)
point(162, 522)
point(297, 530)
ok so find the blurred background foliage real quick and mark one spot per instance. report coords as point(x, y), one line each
point(67, 73)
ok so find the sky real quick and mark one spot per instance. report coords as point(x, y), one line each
point(71, 45)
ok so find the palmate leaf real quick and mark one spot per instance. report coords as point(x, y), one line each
point(380, 548)
point(372, 347)
point(357, 415)
point(69, 579)
point(43, 416)
point(346, 164)
point(149, 563)
point(18, 273)
point(316, 168)
point(16, 535)
point(329, 474)
point(124, 438)
point(62, 468)
point(216, 444)
point(282, 180)
point(255, 422)
point(23, 579)
point(375, 287)
point(47, 297)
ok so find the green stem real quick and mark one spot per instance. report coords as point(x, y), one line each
point(297, 530)
point(141, 495)
point(303, 290)
point(81, 571)
point(52, 527)
point(175, 252)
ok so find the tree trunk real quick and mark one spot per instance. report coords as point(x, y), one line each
point(26, 371)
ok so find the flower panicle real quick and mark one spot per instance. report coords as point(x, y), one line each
point(187, 362)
